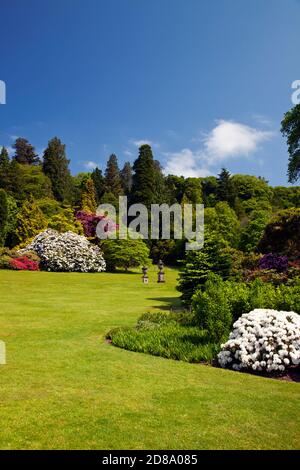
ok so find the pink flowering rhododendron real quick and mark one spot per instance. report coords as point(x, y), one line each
point(90, 221)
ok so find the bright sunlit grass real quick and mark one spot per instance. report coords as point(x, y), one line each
point(64, 387)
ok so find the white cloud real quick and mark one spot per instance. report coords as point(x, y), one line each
point(232, 139)
point(185, 163)
point(128, 153)
point(138, 143)
point(264, 120)
point(90, 165)
point(228, 139)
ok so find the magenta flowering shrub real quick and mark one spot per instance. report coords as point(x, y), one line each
point(90, 221)
point(274, 261)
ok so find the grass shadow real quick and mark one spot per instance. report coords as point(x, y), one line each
point(168, 302)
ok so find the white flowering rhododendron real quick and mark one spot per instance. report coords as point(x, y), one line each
point(263, 340)
point(66, 252)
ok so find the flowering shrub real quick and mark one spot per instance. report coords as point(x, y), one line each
point(24, 263)
point(274, 261)
point(66, 252)
point(90, 221)
point(263, 340)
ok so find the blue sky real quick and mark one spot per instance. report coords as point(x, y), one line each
point(206, 82)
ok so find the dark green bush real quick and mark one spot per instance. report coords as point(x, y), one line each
point(289, 297)
point(262, 295)
point(221, 303)
point(212, 309)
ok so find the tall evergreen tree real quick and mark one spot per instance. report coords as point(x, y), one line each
point(199, 263)
point(99, 183)
point(3, 215)
point(225, 187)
point(88, 197)
point(25, 152)
point(162, 195)
point(113, 183)
point(4, 169)
point(4, 157)
point(56, 167)
point(126, 177)
point(144, 184)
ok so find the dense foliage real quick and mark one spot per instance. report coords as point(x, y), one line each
point(125, 254)
point(244, 215)
point(232, 299)
point(290, 128)
point(282, 234)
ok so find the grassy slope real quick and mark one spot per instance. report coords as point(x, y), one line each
point(64, 387)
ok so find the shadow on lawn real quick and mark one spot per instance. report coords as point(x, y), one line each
point(169, 302)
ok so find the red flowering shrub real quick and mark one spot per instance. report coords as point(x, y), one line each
point(23, 263)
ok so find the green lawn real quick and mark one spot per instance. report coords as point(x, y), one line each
point(65, 388)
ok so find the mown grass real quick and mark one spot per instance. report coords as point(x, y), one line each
point(64, 387)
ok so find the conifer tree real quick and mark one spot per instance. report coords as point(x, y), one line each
point(99, 183)
point(161, 195)
point(30, 221)
point(88, 197)
point(225, 187)
point(3, 215)
point(4, 168)
point(56, 167)
point(126, 177)
point(25, 152)
point(4, 157)
point(113, 183)
point(199, 263)
point(144, 183)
